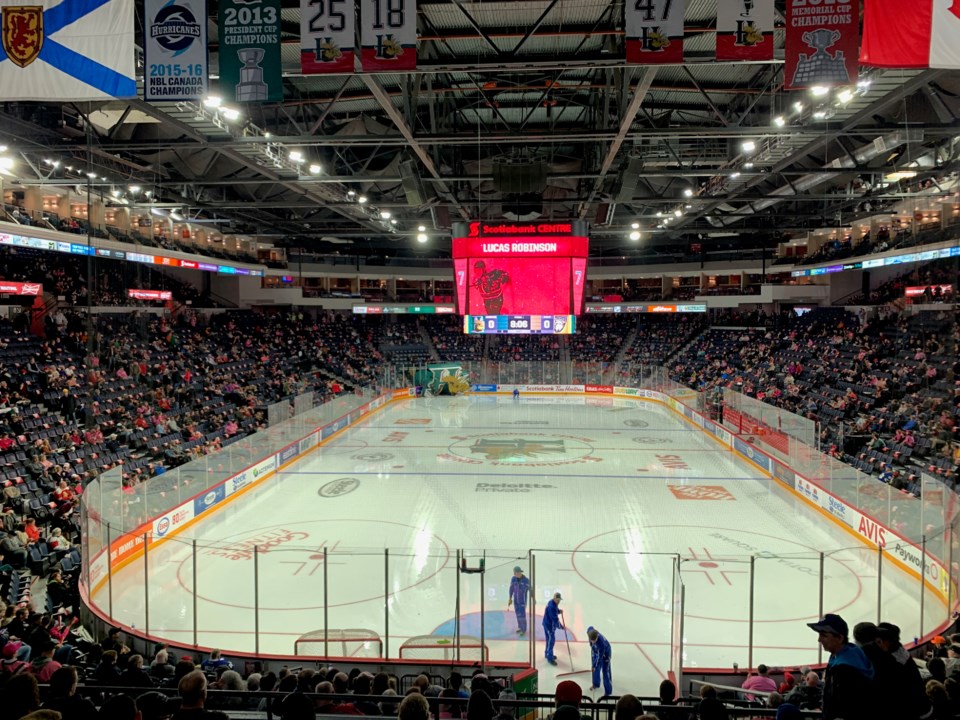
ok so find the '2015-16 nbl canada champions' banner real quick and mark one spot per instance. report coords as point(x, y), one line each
point(175, 50)
point(823, 42)
point(654, 31)
point(67, 50)
point(327, 36)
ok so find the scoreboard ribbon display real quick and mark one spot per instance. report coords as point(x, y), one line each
point(519, 324)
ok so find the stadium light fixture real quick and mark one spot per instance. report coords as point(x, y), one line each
point(393, 221)
point(635, 225)
point(315, 169)
point(819, 115)
point(421, 237)
point(295, 156)
point(844, 96)
point(362, 199)
point(635, 235)
point(386, 214)
point(748, 146)
point(798, 107)
point(734, 175)
point(6, 163)
point(351, 193)
point(688, 192)
point(421, 228)
point(780, 120)
point(134, 189)
point(230, 113)
point(213, 101)
point(748, 165)
point(678, 212)
point(819, 90)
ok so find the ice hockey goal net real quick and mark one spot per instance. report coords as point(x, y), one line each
point(340, 642)
point(443, 647)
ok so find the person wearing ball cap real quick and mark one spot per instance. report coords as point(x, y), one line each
point(600, 660)
point(848, 687)
point(519, 589)
point(551, 623)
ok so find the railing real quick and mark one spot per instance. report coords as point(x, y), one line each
point(907, 545)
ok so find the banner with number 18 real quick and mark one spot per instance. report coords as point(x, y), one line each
point(388, 35)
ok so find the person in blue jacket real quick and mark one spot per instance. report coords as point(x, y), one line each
point(519, 589)
point(600, 660)
point(551, 623)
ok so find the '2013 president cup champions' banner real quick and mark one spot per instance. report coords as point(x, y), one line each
point(823, 43)
point(175, 50)
point(327, 36)
point(250, 68)
point(744, 29)
point(67, 50)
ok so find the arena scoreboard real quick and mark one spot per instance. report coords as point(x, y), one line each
point(519, 324)
point(520, 277)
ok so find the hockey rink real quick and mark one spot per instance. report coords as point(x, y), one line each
point(604, 493)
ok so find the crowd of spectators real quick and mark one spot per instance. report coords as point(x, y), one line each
point(450, 342)
point(885, 391)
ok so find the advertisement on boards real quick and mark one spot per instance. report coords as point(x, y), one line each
point(750, 452)
point(207, 500)
point(162, 526)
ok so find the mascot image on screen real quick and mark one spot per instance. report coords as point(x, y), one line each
point(442, 379)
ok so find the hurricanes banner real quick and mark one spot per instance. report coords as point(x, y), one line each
point(654, 31)
point(175, 49)
point(250, 68)
point(67, 50)
point(388, 35)
point(744, 29)
point(326, 36)
point(822, 43)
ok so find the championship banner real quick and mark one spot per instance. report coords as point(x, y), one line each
point(388, 35)
point(654, 31)
point(175, 50)
point(250, 68)
point(822, 44)
point(67, 50)
point(916, 34)
point(327, 36)
point(744, 29)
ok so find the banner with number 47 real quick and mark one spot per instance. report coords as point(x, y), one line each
point(388, 35)
point(654, 31)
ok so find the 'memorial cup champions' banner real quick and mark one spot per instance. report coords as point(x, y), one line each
point(388, 34)
point(67, 50)
point(823, 43)
point(175, 49)
point(326, 36)
point(654, 31)
point(250, 50)
point(744, 29)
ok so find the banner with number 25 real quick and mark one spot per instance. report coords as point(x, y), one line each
point(388, 35)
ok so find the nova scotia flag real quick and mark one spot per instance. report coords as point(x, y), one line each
point(67, 50)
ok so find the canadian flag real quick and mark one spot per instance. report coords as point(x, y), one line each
point(915, 34)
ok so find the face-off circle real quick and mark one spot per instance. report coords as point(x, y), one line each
point(291, 563)
point(636, 423)
point(648, 440)
point(521, 448)
point(373, 456)
point(715, 563)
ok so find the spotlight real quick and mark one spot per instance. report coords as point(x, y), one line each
point(819, 90)
point(362, 199)
point(635, 236)
point(734, 175)
point(421, 237)
point(315, 169)
point(230, 113)
point(421, 228)
point(295, 156)
point(134, 188)
point(386, 214)
point(798, 107)
point(844, 96)
point(688, 192)
point(749, 146)
point(213, 101)
point(678, 213)
point(819, 115)
point(635, 225)
point(779, 121)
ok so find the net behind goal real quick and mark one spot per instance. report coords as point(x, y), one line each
point(443, 647)
point(340, 642)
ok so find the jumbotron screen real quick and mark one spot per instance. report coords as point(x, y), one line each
point(520, 269)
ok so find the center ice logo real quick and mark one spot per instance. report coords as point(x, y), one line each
point(520, 449)
point(517, 450)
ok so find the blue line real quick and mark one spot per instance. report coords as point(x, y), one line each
point(592, 476)
point(87, 71)
point(68, 12)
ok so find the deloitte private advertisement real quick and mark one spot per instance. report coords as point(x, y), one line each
point(250, 50)
point(175, 50)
